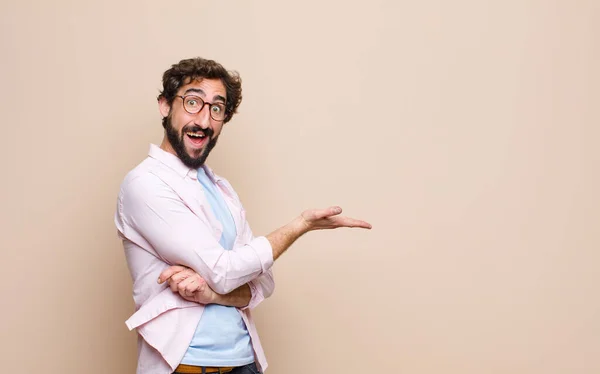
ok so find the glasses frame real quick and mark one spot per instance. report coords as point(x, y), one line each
point(210, 106)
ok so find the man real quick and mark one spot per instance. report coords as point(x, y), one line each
point(197, 269)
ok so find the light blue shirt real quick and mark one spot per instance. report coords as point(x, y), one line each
point(221, 337)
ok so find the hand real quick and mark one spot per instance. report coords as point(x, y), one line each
point(322, 219)
point(189, 284)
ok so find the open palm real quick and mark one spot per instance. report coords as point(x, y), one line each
point(329, 218)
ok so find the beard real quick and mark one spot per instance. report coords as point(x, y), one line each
point(197, 158)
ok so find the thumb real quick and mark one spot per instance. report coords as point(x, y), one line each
point(316, 214)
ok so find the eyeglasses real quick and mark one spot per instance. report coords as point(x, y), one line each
point(194, 104)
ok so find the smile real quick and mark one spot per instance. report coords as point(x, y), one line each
point(197, 135)
point(197, 139)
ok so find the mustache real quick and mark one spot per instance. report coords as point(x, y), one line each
point(197, 129)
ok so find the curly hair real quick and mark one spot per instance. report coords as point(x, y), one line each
point(188, 70)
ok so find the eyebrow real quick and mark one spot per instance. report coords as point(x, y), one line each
point(219, 98)
point(200, 92)
point(194, 90)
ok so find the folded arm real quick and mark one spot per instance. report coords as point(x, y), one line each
point(192, 287)
point(154, 212)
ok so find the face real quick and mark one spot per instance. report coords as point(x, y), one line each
point(192, 136)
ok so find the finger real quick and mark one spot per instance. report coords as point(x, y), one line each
point(188, 286)
point(191, 294)
point(351, 222)
point(178, 277)
point(199, 286)
point(167, 273)
point(316, 214)
point(172, 284)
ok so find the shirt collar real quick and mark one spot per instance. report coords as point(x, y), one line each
point(211, 174)
point(179, 167)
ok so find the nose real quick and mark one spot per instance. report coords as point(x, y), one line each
point(203, 116)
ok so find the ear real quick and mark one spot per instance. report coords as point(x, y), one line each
point(163, 107)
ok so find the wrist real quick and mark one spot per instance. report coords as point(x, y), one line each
point(206, 296)
point(300, 226)
point(282, 238)
point(214, 297)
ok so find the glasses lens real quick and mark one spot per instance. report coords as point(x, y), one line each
point(217, 112)
point(192, 104)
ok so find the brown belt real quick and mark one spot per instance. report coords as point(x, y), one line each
point(189, 369)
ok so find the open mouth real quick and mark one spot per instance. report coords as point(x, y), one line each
point(196, 138)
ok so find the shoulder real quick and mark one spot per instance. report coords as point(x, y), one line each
point(145, 180)
point(143, 172)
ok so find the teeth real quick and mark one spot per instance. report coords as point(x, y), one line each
point(194, 135)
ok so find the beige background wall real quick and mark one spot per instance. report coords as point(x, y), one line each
point(465, 131)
